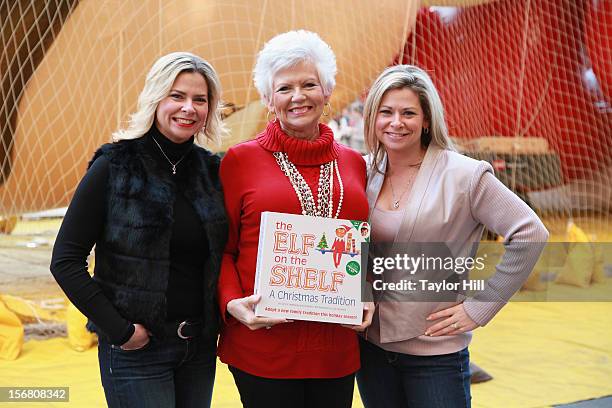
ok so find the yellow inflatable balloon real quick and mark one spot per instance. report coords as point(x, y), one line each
point(79, 338)
point(11, 333)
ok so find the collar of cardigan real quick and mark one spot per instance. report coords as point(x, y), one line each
point(299, 151)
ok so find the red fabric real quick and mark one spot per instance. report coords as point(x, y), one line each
point(253, 183)
point(338, 246)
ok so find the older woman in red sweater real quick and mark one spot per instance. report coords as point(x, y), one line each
point(288, 363)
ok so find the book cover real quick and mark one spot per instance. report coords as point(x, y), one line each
point(309, 268)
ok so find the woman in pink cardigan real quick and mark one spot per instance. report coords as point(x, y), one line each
point(420, 190)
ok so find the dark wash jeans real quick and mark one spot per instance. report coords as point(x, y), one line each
point(165, 373)
point(396, 380)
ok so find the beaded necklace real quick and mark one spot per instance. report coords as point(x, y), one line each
point(324, 205)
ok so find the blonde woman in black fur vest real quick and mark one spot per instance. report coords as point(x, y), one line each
point(152, 205)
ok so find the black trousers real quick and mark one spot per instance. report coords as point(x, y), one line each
point(260, 392)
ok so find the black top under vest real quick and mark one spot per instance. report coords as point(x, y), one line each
point(83, 226)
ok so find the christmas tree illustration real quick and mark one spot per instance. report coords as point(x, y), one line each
point(322, 243)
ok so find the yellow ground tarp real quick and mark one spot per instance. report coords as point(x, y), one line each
point(540, 354)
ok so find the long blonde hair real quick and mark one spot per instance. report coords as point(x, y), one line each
point(157, 86)
point(417, 80)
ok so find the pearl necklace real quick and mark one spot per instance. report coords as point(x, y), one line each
point(324, 205)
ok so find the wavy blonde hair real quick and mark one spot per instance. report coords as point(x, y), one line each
point(157, 86)
point(417, 80)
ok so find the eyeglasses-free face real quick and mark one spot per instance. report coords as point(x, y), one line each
point(183, 112)
point(298, 100)
point(400, 121)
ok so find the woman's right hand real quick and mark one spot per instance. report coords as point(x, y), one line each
point(139, 339)
point(242, 310)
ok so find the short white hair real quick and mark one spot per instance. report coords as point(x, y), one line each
point(157, 86)
point(289, 49)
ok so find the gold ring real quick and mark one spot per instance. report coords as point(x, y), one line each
point(455, 326)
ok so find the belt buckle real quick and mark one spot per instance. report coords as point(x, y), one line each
point(180, 328)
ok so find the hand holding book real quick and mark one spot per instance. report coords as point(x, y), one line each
point(368, 313)
point(243, 310)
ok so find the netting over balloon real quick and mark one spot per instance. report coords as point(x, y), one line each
point(526, 83)
point(526, 86)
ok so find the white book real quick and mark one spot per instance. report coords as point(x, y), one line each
point(309, 268)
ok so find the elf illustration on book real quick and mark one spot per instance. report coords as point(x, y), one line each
point(339, 245)
point(365, 231)
point(344, 243)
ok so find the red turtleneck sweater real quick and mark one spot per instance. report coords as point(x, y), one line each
point(253, 183)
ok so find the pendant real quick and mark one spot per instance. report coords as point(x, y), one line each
point(396, 204)
point(173, 169)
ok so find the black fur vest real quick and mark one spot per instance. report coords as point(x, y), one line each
point(132, 256)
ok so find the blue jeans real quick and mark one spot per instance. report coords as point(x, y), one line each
point(165, 373)
point(390, 380)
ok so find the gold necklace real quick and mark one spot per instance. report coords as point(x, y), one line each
point(396, 202)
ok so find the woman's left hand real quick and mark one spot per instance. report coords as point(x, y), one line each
point(368, 313)
point(457, 321)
